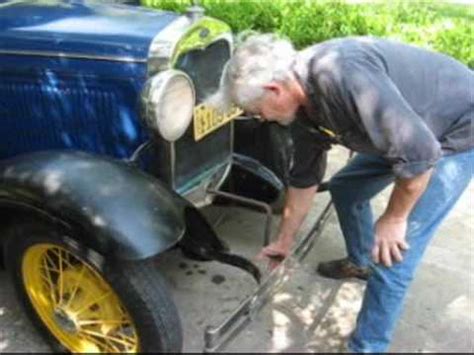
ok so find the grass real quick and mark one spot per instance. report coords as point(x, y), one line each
point(444, 27)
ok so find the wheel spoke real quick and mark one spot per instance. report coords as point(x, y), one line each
point(67, 260)
point(122, 312)
point(132, 340)
point(52, 265)
point(60, 276)
point(76, 287)
point(50, 287)
point(46, 275)
point(85, 323)
point(90, 303)
point(100, 343)
point(63, 258)
point(114, 347)
point(125, 342)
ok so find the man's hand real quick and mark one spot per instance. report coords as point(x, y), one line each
point(389, 240)
point(297, 204)
point(391, 228)
point(275, 253)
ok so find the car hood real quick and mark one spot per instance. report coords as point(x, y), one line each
point(79, 28)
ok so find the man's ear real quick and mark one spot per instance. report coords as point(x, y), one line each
point(274, 88)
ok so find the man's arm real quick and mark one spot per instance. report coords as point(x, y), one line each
point(390, 229)
point(404, 139)
point(297, 205)
point(307, 171)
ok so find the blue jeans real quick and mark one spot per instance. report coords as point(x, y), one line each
point(351, 190)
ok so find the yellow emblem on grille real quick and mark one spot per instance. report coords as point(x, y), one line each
point(207, 120)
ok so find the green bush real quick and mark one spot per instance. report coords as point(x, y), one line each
point(435, 25)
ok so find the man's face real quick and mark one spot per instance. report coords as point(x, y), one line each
point(278, 104)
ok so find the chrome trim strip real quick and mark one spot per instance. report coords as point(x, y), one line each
point(232, 139)
point(198, 195)
point(224, 36)
point(224, 176)
point(72, 56)
point(173, 165)
point(164, 43)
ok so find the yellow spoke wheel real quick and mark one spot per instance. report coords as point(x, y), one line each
point(77, 305)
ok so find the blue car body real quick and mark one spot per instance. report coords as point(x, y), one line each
point(86, 98)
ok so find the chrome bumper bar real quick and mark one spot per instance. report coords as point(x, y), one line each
point(217, 337)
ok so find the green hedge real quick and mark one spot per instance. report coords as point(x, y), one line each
point(439, 26)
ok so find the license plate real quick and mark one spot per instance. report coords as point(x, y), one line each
point(207, 120)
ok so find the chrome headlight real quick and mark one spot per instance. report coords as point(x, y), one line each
point(168, 100)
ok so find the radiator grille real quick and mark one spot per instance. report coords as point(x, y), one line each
point(66, 115)
point(194, 158)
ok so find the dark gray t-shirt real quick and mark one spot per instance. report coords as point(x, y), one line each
point(406, 104)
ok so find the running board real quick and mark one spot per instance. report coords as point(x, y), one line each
point(215, 338)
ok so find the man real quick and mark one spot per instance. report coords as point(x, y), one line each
point(407, 111)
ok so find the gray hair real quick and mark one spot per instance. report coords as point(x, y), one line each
point(259, 60)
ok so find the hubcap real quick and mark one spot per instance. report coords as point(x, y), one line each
point(65, 322)
point(75, 302)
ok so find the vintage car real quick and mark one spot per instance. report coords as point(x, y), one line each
point(107, 154)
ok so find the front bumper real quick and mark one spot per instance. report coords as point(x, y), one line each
point(217, 337)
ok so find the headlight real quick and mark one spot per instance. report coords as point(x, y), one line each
point(168, 100)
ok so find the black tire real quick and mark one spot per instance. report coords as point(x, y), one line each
point(138, 285)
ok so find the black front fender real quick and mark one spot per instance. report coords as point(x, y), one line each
point(121, 211)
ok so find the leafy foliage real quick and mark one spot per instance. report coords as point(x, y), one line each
point(434, 25)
